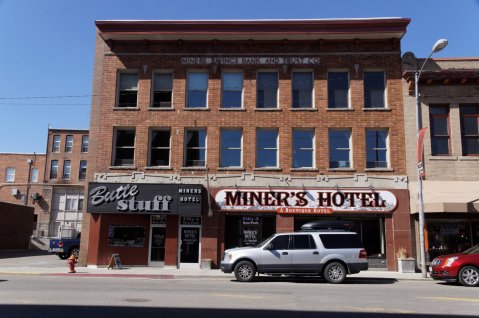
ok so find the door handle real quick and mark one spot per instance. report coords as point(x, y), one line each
point(285, 253)
point(316, 253)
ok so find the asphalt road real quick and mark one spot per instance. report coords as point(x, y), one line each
point(47, 296)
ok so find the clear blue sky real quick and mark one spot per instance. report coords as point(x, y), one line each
point(46, 46)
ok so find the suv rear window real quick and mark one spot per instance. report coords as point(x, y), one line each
point(341, 241)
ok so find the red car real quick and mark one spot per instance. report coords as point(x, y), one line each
point(462, 267)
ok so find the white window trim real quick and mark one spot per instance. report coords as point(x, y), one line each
point(69, 175)
point(337, 70)
point(66, 144)
point(242, 88)
point(54, 149)
point(152, 90)
point(207, 88)
point(388, 154)
point(118, 80)
point(386, 104)
point(186, 147)
point(34, 180)
point(88, 143)
point(150, 139)
point(277, 91)
point(9, 177)
point(277, 146)
point(313, 149)
point(313, 91)
point(241, 147)
point(51, 169)
point(351, 165)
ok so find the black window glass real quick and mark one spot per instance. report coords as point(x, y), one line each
point(302, 89)
point(280, 243)
point(374, 87)
point(469, 129)
point(163, 87)
point(267, 90)
point(331, 241)
point(125, 147)
point(303, 242)
point(160, 148)
point(338, 87)
point(128, 90)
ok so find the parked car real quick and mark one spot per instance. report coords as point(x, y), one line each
point(64, 247)
point(462, 267)
point(317, 250)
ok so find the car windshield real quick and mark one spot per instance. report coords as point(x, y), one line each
point(264, 241)
point(472, 250)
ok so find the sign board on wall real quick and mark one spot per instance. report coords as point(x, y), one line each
point(251, 60)
point(299, 201)
point(138, 198)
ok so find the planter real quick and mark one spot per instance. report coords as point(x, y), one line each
point(406, 265)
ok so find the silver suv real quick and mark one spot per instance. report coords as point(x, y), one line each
point(331, 254)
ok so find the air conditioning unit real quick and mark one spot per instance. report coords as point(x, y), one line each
point(15, 191)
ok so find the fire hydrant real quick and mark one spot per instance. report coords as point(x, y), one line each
point(71, 263)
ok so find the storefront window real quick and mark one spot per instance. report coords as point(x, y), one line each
point(242, 230)
point(126, 235)
point(446, 237)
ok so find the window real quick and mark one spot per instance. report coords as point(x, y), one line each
point(159, 148)
point(56, 143)
point(303, 242)
point(231, 140)
point(376, 148)
point(126, 235)
point(197, 90)
point(162, 89)
point(124, 147)
point(302, 89)
point(80, 204)
point(195, 148)
point(10, 175)
point(280, 242)
point(338, 89)
point(84, 143)
point(341, 240)
point(374, 87)
point(53, 169)
point(267, 90)
point(439, 121)
point(34, 175)
point(303, 148)
point(66, 169)
point(339, 148)
point(69, 143)
point(266, 148)
point(128, 89)
point(469, 129)
point(231, 95)
point(82, 174)
point(71, 204)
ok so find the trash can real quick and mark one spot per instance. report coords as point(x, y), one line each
point(206, 263)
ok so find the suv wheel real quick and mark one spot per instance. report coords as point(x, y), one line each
point(62, 256)
point(245, 271)
point(334, 273)
point(75, 252)
point(469, 276)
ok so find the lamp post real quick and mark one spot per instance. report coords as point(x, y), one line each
point(438, 46)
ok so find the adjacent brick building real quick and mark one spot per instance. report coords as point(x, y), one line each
point(211, 134)
point(450, 111)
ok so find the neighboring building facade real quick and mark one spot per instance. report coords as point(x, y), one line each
point(211, 134)
point(449, 90)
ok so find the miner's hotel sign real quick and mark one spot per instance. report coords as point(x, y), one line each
point(137, 198)
point(306, 202)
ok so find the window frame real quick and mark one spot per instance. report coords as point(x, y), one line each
point(161, 72)
point(312, 106)
point(265, 129)
point(34, 174)
point(312, 149)
point(376, 149)
point(463, 135)
point(56, 143)
point(258, 72)
point(385, 99)
point(82, 170)
point(186, 148)
point(120, 73)
point(83, 147)
point(54, 169)
point(116, 130)
point(348, 97)
point(10, 177)
point(68, 143)
point(150, 146)
point(349, 149)
point(67, 165)
point(433, 135)
point(231, 148)
point(233, 71)
point(188, 72)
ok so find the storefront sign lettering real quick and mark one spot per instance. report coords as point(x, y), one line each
point(245, 60)
point(318, 201)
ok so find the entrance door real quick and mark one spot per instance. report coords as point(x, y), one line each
point(157, 246)
point(189, 246)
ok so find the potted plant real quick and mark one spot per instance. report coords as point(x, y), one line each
point(406, 264)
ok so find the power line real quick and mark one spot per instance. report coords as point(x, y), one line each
point(37, 104)
point(47, 97)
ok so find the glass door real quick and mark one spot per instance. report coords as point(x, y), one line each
point(157, 246)
point(189, 246)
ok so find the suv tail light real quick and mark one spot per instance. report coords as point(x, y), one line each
point(60, 244)
point(363, 254)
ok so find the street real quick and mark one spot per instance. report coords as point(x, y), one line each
point(51, 296)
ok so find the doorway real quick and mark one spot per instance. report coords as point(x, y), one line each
point(157, 241)
point(189, 243)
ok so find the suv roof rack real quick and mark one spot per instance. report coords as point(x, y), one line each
point(331, 225)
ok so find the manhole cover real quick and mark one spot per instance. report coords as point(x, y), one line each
point(137, 300)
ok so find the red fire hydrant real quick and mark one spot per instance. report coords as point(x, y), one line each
point(71, 263)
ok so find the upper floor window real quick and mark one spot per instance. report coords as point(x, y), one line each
point(470, 129)
point(69, 143)
point(160, 148)
point(338, 89)
point(267, 90)
point(56, 143)
point(232, 90)
point(376, 148)
point(162, 90)
point(303, 148)
point(54, 169)
point(374, 89)
point(82, 172)
point(302, 89)
point(231, 141)
point(127, 89)
point(440, 133)
point(340, 148)
point(267, 148)
point(197, 90)
point(34, 175)
point(84, 143)
point(67, 168)
point(10, 175)
point(124, 147)
point(195, 148)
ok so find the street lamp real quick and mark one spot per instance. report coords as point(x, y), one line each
point(438, 46)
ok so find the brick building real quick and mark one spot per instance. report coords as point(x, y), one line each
point(211, 134)
point(450, 112)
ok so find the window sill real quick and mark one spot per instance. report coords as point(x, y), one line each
point(304, 109)
point(164, 109)
point(131, 109)
point(469, 158)
point(158, 168)
point(379, 169)
point(268, 110)
point(193, 168)
point(122, 167)
point(202, 109)
point(231, 169)
point(443, 158)
point(305, 169)
point(267, 169)
point(345, 109)
point(372, 109)
point(342, 169)
point(232, 109)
